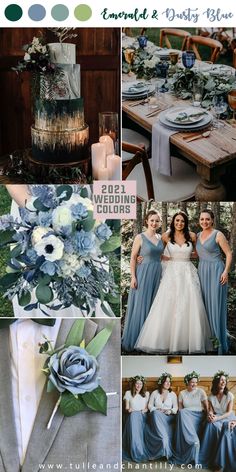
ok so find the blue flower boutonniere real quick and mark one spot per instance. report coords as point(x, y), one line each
point(73, 370)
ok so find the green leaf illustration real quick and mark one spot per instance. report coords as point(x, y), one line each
point(24, 299)
point(6, 237)
point(44, 294)
point(110, 245)
point(99, 341)
point(96, 400)
point(75, 335)
point(71, 405)
point(8, 280)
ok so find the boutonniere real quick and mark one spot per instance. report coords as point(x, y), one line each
point(73, 370)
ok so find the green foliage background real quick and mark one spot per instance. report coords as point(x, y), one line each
point(5, 206)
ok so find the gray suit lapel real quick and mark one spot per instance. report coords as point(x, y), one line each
point(41, 438)
point(8, 439)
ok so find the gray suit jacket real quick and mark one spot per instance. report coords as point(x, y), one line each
point(76, 442)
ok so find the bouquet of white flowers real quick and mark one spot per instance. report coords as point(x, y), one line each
point(59, 251)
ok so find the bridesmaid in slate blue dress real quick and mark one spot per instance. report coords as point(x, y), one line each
point(160, 428)
point(213, 275)
point(145, 278)
point(226, 454)
point(136, 402)
point(220, 412)
point(193, 407)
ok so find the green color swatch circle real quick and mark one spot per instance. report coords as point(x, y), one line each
point(60, 12)
point(13, 12)
point(83, 12)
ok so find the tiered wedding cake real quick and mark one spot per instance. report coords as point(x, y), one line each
point(60, 134)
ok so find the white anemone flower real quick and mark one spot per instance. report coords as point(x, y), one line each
point(50, 247)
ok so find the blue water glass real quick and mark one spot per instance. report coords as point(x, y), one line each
point(161, 70)
point(188, 59)
point(142, 40)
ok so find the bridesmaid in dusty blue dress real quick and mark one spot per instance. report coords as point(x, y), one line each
point(193, 407)
point(213, 275)
point(160, 428)
point(136, 402)
point(226, 453)
point(145, 278)
point(220, 412)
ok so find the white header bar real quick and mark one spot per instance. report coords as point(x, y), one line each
point(133, 13)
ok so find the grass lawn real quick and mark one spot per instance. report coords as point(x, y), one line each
point(5, 205)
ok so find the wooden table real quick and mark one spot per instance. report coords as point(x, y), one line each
point(211, 155)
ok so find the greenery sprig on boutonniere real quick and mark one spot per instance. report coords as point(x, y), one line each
point(73, 370)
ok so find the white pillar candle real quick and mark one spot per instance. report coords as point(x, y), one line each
point(98, 151)
point(114, 167)
point(108, 141)
point(103, 173)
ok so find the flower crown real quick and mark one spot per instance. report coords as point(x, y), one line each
point(137, 377)
point(219, 373)
point(163, 376)
point(192, 375)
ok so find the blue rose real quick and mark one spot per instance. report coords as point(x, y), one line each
point(103, 232)
point(48, 268)
point(73, 369)
point(79, 211)
point(85, 242)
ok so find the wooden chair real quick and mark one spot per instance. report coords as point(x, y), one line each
point(151, 185)
point(139, 157)
point(166, 32)
point(133, 137)
point(194, 42)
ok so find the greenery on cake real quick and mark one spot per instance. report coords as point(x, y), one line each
point(47, 77)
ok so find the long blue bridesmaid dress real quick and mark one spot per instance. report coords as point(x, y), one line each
point(212, 431)
point(159, 432)
point(214, 294)
point(226, 452)
point(148, 275)
point(133, 439)
point(190, 421)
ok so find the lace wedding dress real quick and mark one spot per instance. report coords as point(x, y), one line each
point(177, 321)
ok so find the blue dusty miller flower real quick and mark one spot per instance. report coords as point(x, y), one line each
point(73, 369)
point(103, 232)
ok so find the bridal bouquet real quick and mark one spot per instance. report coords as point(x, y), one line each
point(59, 252)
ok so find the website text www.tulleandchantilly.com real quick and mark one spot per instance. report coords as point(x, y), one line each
point(89, 466)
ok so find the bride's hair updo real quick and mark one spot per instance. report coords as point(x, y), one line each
point(150, 213)
point(185, 230)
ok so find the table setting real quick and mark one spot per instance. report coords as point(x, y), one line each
point(161, 94)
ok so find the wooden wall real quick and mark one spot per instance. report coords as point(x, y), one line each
point(98, 52)
point(178, 385)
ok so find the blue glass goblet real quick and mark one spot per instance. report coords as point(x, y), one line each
point(161, 70)
point(188, 59)
point(142, 40)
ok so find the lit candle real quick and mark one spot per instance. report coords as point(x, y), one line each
point(114, 167)
point(103, 173)
point(98, 158)
point(108, 141)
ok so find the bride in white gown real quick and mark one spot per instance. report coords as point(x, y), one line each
point(177, 321)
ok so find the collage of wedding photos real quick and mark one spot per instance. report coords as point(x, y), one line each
point(117, 336)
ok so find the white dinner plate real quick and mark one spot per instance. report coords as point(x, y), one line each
point(186, 116)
